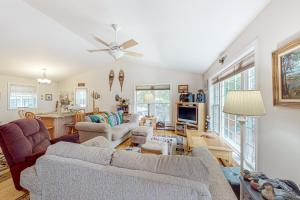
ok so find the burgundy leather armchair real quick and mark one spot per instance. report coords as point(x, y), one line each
point(23, 141)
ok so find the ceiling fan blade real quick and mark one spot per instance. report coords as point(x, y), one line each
point(101, 41)
point(96, 50)
point(128, 44)
point(131, 53)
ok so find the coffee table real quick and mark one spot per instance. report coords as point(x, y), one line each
point(216, 145)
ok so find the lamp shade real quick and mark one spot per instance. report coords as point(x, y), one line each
point(244, 102)
point(148, 98)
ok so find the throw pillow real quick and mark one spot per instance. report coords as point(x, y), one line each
point(101, 118)
point(118, 120)
point(120, 114)
point(94, 118)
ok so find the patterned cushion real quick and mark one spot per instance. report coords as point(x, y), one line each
point(113, 118)
point(101, 118)
point(120, 115)
point(94, 118)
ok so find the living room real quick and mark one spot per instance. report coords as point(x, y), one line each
point(144, 88)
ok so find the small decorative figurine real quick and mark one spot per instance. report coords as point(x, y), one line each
point(268, 192)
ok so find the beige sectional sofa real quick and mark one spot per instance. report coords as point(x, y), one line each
point(89, 171)
point(115, 135)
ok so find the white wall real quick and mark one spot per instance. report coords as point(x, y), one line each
point(278, 131)
point(43, 106)
point(135, 74)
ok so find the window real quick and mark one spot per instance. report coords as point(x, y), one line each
point(227, 125)
point(161, 106)
point(81, 97)
point(22, 96)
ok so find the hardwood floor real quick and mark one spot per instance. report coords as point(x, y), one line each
point(8, 191)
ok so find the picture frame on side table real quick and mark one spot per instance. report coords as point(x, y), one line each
point(183, 88)
point(48, 97)
point(286, 75)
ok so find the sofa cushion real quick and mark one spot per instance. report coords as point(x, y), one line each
point(180, 166)
point(99, 141)
point(92, 127)
point(29, 127)
point(183, 166)
point(119, 131)
point(91, 154)
point(134, 160)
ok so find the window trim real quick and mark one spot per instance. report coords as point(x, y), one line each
point(171, 98)
point(87, 97)
point(221, 133)
point(21, 84)
point(251, 48)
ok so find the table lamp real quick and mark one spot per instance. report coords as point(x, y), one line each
point(148, 99)
point(243, 103)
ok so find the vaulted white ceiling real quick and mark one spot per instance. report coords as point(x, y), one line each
point(184, 35)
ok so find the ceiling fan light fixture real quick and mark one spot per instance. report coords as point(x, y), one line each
point(44, 79)
point(116, 54)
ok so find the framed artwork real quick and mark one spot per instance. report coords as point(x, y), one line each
point(183, 88)
point(48, 97)
point(286, 75)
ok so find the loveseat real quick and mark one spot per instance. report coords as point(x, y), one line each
point(116, 134)
point(80, 171)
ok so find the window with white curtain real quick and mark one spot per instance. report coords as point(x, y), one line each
point(81, 97)
point(22, 96)
point(161, 106)
point(226, 125)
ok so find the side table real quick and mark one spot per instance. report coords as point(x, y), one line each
point(148, 121)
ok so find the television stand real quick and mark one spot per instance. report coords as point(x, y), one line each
point(197, 113)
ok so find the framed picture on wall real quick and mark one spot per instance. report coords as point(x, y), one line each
point(48, 97)
point(286, 75)
point(183, 88)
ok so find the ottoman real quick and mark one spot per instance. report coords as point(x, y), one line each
point(155, 147)
point(140, 134)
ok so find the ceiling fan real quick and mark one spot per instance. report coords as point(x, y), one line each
point(116, 50)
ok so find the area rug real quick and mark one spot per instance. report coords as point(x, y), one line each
point(4, 170)
point(178, 141)
point(3, 163)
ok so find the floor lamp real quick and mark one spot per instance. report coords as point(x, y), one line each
point(243, 103)
point(148, 99)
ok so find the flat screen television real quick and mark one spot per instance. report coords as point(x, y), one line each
point(187, 114)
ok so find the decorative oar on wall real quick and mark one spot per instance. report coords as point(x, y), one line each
point(111, 78)
point(121, 78)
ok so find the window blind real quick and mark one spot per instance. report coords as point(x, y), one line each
point(22, 96)
point(17, 89)
point(243, 64)
point(81, 97)
point(153, 87)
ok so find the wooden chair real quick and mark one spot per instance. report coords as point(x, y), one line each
point(21, 114)
point(79, 117)
point(30, 115)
